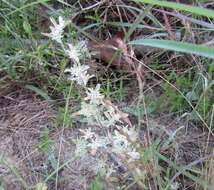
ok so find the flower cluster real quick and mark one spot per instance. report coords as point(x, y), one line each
point(78, 51)
point(121, 142)
point(56, 30)
point(78, 72)
point(117, 143)
point(97, 111)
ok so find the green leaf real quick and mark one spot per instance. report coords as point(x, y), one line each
point(46, 142)
point(27, 27)
point(41, 186)
point(96, 184)
point(181, 7)
point(39, 92)
point(184, 47)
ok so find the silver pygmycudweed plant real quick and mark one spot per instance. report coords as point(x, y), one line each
point(117, 138)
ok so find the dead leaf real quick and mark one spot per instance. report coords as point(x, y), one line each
point(113, 52)
point(124, 116)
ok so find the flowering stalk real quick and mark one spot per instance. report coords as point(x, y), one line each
point(117, 139)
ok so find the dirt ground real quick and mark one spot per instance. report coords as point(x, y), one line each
point(24, 116)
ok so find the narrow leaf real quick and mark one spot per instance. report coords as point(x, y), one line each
point(181, 7)
point(39, 92)
point(177, 46)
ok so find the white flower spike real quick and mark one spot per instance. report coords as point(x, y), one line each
point(78, 51)
point(73, 53)
point(57, 29)
point(94, 95)
point(134, 155)
point(79, 74)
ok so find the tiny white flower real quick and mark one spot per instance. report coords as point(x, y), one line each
point(120, 143)
point(134, 155)
point(88, 134)
point(93, 114)
point(83, 48)
point(110, 171)
point(73, 53)
point(112, 117)
point(94, 95)
point(79, 74)
point(57, 29)
point(81, 147)
point(98, 142)
point(101, 167)
point(90, 111)
point(174, 185)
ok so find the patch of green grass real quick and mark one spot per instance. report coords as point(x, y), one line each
point(25, 54)
point(62, 116)
point(45, 144)
point(96, 184)
point(182, 7)
point(198, 91)
point(177, 46)
point(114, 90)
point(176, 101)
point(152, 106)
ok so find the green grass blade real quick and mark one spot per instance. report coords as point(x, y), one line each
point(39, 92)
point(181, 7)
point(136, 23)
point(184, 47)
point(28, 5)
point(129, 25)
point(185, 171)
point(96, 184)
